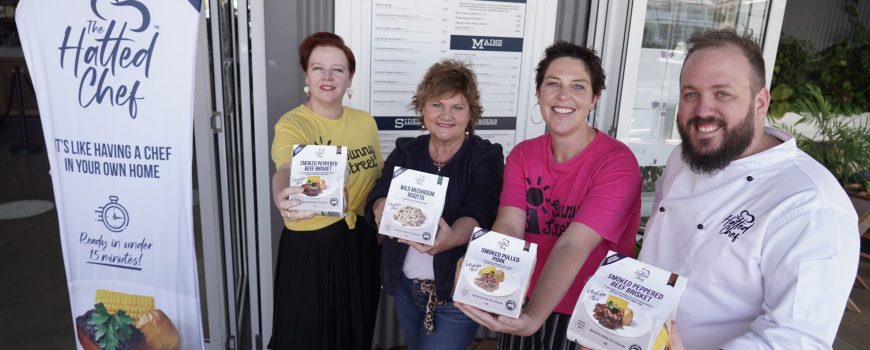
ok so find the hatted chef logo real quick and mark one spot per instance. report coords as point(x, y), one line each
point(106, 54)
point(641, 274)
point(735, 226)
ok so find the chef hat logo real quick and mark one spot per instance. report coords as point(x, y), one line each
point(641, 274)
point(749, 218)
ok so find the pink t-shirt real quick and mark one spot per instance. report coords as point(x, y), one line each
point(600, 187)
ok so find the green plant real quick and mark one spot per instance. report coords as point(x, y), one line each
point(840, 71)
point(789, 73)
point(842, 76)
point(840, 143)
point(649, 176)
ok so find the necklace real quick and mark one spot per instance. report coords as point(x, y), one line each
point(439, 165)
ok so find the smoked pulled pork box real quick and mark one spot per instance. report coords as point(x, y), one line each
point(626, 305)
point(495, 273)
point(321, 171)
point(414, 205)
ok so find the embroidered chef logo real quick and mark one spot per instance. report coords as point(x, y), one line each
point(735, 226)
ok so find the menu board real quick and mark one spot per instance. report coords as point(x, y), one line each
point(404, 38)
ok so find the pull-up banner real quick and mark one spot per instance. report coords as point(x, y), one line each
point(114, 82)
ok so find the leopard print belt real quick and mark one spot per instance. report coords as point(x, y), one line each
point(428, 287)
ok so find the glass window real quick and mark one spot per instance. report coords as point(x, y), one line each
point(647, 119)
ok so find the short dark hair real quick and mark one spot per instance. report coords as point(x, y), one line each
point(565, 49)
point(446, 78)
point(729, 36)
point(318, 39)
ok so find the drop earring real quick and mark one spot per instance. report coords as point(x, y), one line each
point(306, 90)
point(532, 116)
point(349, 93)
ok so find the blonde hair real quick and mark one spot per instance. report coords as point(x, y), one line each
point(447, 78)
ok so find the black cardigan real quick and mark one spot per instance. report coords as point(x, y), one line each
point(476, 174)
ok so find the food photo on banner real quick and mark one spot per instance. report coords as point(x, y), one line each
point(114, 83)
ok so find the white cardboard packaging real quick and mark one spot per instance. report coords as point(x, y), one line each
point(621, 283)
point(494, 255)
point(414, 205)
point(322, 171)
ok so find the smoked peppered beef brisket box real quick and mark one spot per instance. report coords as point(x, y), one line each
point(626, 304)
point(495, 272)
point(321, 171)
point(413, 206)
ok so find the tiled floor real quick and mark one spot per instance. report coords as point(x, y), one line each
point(34, 304)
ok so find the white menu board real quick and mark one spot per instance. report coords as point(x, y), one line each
point(399, 39)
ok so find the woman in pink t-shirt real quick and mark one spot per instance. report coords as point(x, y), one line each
point(574, 191)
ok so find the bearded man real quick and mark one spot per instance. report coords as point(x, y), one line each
point(766, 236)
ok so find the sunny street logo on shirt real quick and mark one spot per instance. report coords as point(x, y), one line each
point(562, 215)
point(541, 206)
point(359, 159)
point(735, 226)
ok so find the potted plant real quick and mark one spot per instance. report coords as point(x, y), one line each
point(840, 143)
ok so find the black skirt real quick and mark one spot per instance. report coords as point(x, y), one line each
point(326, 288)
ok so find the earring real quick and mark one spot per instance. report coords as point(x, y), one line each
point(349, 93)
point(306, 90)
point(532, 116)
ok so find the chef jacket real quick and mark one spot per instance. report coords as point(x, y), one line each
point(769, 245)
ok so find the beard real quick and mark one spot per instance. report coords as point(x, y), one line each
point(735, 142)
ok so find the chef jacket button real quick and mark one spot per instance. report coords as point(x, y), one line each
point(662, 209)
point(749, 178)
point(700, 226)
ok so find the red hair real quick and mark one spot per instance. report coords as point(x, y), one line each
point(324, 39)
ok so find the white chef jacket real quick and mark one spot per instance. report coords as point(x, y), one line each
point(769, 245)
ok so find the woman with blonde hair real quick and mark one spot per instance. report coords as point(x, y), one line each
point(420, 277)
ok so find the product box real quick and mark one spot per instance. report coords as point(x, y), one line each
point(495, 272)
point(414, 205)
point(321, 171)
point(625, 305)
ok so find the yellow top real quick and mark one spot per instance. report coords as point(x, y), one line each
point(356, 130)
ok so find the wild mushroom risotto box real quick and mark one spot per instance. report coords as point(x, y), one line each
point(413, 206)
point(321, 172)
point(495, 272)
point(626, 305)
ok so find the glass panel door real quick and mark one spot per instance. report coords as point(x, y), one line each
point(223, 17)
point(654, 58)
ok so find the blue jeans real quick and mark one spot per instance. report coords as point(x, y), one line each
point(453, 330)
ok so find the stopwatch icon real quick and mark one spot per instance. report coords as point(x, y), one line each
point(113, 215)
